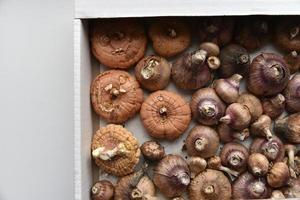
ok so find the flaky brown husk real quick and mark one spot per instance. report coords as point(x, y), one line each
point(189, 73)
point(210, 185)
point(258, 164)
point(165, 115)
point(289, 127)
point(283, 37)
point(118, 43)
point(292, 94)
point(207, 107)
point(279, 175)
point(218, 30)
point(172, 175)
point(116, 96)
point(153, 72)
point(102, 190)
point(208, 139)
point(268, 75)
point(110, 137)
point(252, 103)
point(273, 106)
point(263, 146)
point(246, 186)
point(237, 153)
point(170, 36)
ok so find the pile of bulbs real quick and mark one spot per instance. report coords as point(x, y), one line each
point(218, 164)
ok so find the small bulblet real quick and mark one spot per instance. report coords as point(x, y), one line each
point(116, 96)
point(228, 89)
point(262, 127)
point(273, 106)
point(153, 72)
point(165, 115)
point(196, 165)
point(273, 149)
point(190, 71)
point(202, 141)
point(237, 116)
point(234, 59)
point(153, 150)
point(234, 156)
point(278, 175)
point(210, 185)
point(252, 103)
point(268, 75)
point(172, 176)
point(102, 190)
point(289, 127)
point(115, 150)
point(246, 186)
point(292, 94)
point(258, 164)
point(207, 107)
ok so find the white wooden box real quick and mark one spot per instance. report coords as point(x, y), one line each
point(86, 67)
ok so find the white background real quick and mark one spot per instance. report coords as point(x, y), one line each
point(36, 99)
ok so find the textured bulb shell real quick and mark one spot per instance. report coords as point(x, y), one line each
point(289, 127)
point(153, 72)
point(110, 137)
point(273, 106)
point(234, 59)
point(152, 150)
point(258, 164)
point(272, 149)
point(228, 89)
point(208, 139)
point(196, 165)
point(210, 185)
point(165, 115)
point(170, 36)
point(218, 30)
point(116, 96)
point(103, 190)
point(293, 189)
point(262, 127)
point(268, 75)
point(287, 37)
point(227, 134)
point(252, 103)
point(189, 73)
point(172, 175)
point(246, 186)
point(234, 156)
point(278, 175)
point(118, 43)
point(293, 61)
point(292, 94)
point(207, 107)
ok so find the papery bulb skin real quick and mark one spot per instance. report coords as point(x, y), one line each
point(289, 128)
point(262, 127)
point(278, 175)
point(172, 175)
point(273, 106)
point(234, 59)
point(252, 103)
point(196, 165)
point(207, 108)
point(268, 75)
point(258, 164)
point(292, 94)
point(228, 134)
point(152, 150)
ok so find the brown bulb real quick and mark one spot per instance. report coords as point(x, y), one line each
point(227, 134)
point(273, 149)
point(202, 141)
point(211, 48)
point(234, 156)
point(292, 190)
point(262, 127)
point(196, 165)
point(292, 94)
point(268, 75)
point(210, 185)
point(152, 150)
point(102, 190)
point(237, 116)
point(228, 89)
point(293, 61)
point(172, 176)
point(252, 103)
point(191, 66)
point(258, 164)
point(289, 127)
point(278, 175)
point(273, 106)
point(153, 72)
point(246, 186)
point(215, 163)
point(234, 59)
point(207, 107)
